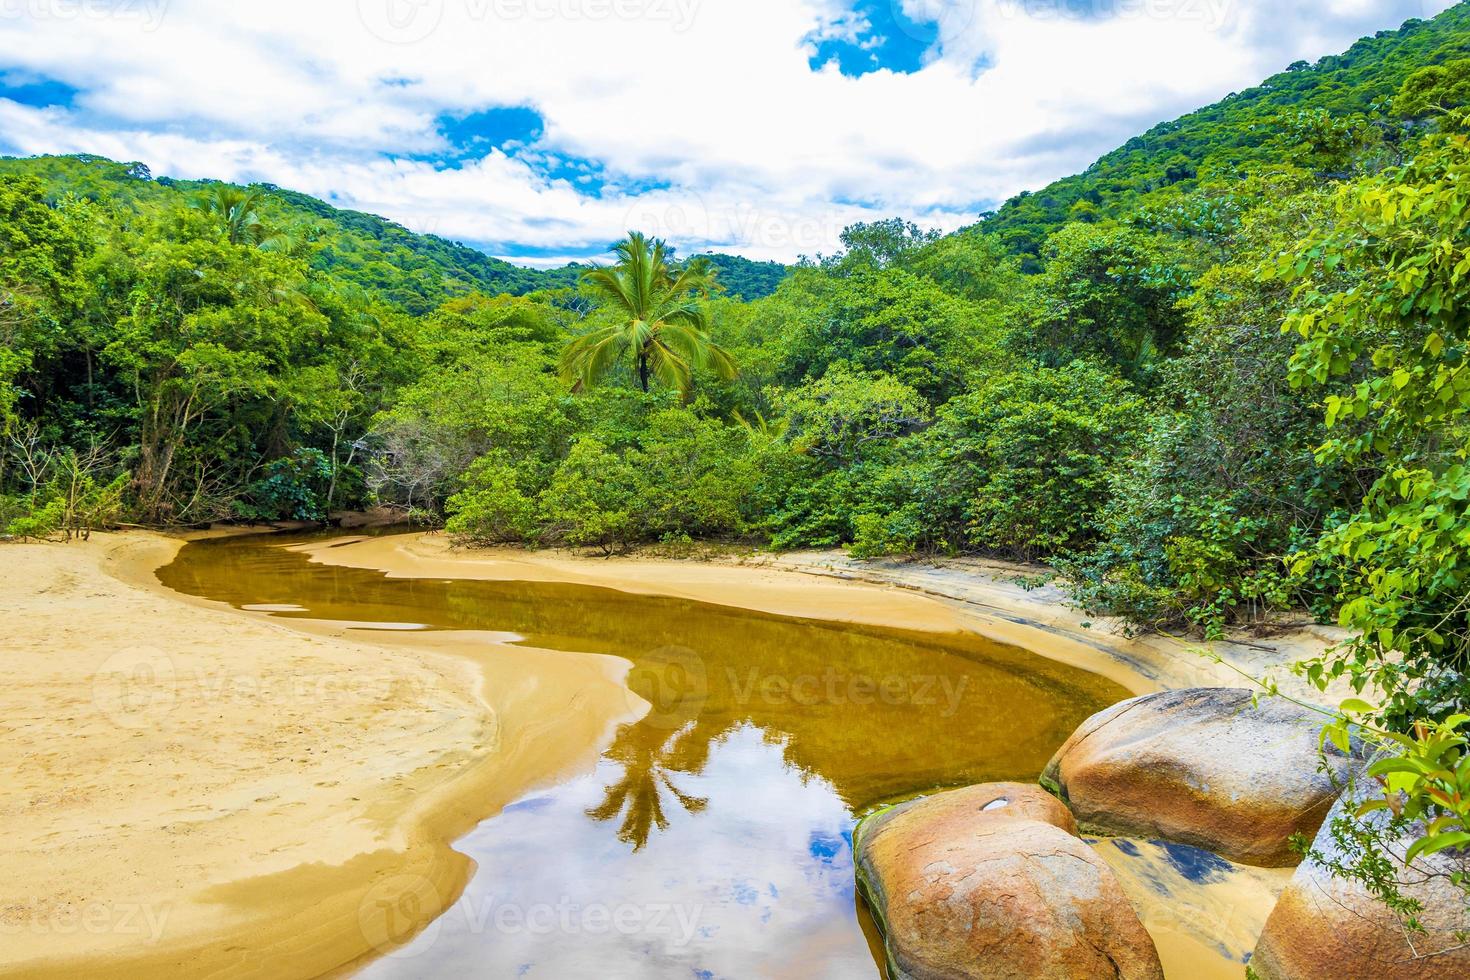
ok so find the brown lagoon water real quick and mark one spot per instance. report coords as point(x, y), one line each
point(713, 837)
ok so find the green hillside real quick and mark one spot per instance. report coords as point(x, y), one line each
point(745, 278)
point(415, 272)
point(1258, 125)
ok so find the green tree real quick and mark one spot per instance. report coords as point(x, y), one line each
point(1023, 464)
point(236, 212)
point(494, 506)
point(973, 265)
point(846, 416)
point(1110, 293)
point(594, 499)
point(486, 386)
point(883, 244)
point(209, 334)
point(1435, 89)
point(42, 252)
point(659, 320)
point(1388, 350)
point(887, 321)
point(1225, 485)
point(700, 472)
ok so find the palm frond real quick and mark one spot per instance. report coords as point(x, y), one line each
point(589, 356)
point(669, 367)
point(698, 350)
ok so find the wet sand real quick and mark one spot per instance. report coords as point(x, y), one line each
point(194, 792)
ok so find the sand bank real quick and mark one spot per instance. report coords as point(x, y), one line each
point(1008, 593)
point(979, 596)
point(192, 791)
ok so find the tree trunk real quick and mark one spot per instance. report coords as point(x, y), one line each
point(332, 484)
point(643, 371)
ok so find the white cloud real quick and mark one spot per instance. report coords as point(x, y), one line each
point(763, 155)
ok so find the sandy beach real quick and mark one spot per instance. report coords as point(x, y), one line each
point(196, 790)
point(193, 791)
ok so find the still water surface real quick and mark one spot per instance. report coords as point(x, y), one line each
point(712, 839)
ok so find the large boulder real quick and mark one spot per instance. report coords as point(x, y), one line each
point(991, 882)
point(1206, 767)
point(1327, 928)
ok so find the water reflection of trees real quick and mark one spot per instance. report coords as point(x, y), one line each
point(650, 758)
point(707, 670)
point(1014, 711)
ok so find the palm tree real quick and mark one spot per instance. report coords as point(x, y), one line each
point(294, 240)
point(234, 209)
point(660, 319)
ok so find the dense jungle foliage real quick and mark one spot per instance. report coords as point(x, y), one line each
point(1220, 375)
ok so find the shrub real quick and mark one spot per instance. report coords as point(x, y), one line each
point(1024, 462)
point(493, 507)
point(68, 492)
point(293, 488)
point(593, 499)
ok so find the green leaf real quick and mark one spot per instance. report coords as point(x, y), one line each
point(1434, 844)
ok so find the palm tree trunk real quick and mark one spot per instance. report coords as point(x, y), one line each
point(643, 371)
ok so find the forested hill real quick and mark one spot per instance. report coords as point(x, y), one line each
point(745, 278)
point(414, 272)
point(1171, 161)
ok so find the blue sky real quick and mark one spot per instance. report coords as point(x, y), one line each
point(541, 130)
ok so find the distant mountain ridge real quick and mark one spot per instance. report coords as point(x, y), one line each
point(417, 272)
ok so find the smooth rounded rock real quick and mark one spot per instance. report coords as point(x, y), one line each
point(990, 882)
point(1203, 767)
point(1327, 928)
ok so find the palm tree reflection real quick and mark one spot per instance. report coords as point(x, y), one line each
point(650, 758)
